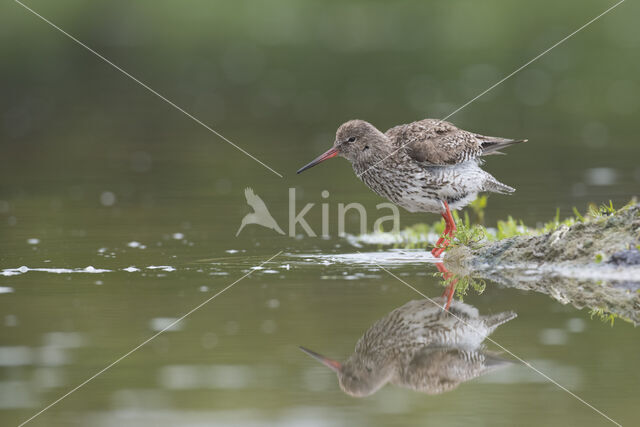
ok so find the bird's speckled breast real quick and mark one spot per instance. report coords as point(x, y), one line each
point(420, 188)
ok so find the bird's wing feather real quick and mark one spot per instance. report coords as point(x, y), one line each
point(427, 371)
point(436, 369)
point(440, 143)
point(436, 142)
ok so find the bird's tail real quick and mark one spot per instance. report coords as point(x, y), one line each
point(493, 361)
point(495, 186)
point(496, 320)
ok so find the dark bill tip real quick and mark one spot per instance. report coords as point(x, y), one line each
point(334, 365)
point(321, 158)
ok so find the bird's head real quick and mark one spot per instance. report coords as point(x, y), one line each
point(357, 376)
point(356, 140)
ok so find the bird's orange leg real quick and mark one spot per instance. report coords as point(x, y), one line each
point(438, 248)
point(451, 224)
point(449, 230)
point(451, 287)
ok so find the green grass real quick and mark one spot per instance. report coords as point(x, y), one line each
point(463, 284)
point(475, 234)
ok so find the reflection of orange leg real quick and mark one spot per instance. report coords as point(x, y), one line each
point(437, 251)
point(451, 288)
point(449, 231)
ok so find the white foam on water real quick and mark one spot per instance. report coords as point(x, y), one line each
point(24, 269)
point(131, 269)
point(390, 257)
point(33, 241)
point(9, 272)
point(6, 289)
point(161, 267)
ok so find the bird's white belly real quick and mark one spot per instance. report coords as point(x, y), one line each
point(458, 185)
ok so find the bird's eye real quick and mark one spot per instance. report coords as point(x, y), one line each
point(353, 138)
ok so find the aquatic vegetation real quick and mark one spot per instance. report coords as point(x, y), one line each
point(476, 235)
point(462, 284)
point(589, 259)
point(603, 315)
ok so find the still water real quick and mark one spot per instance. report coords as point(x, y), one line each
point(236, 359)
point(118, 214)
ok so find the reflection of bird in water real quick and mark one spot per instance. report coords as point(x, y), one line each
point(418, 346)
point(260, 215)
point(424, 166)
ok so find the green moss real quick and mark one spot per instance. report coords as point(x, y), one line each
point(476, 234)
point(603, 315)
point(463, 283)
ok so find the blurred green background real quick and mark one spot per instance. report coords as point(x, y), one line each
point(90, 160)
point(279, 77)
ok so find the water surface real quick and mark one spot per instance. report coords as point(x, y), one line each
point(118, 214)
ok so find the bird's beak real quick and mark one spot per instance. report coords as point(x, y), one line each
point(334, 365)
point(321, 158)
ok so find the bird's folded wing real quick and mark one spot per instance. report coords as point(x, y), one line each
point(435, 142)
point(435, 369)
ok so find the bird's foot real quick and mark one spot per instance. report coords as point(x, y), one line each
point(437, 251)
point(441, 246)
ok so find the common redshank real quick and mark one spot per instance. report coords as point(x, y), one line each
point(420, 347)
point(425, 166)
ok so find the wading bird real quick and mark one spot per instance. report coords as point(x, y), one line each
point(425, 166)
point(420, 347)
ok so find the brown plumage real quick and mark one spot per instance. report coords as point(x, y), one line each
point(420, 347)
point(424, 166)
point(440, 143)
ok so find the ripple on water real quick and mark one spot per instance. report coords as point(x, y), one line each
point(24, 269)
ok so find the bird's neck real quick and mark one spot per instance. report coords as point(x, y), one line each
point(378, 158)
